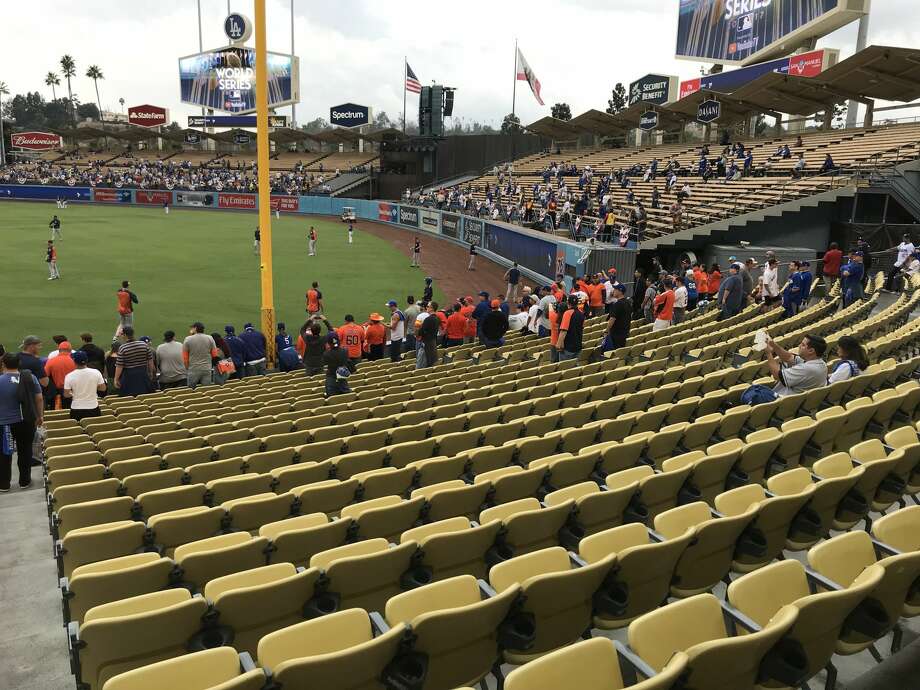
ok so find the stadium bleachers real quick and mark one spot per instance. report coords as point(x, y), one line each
point(429, 528)
point(851, 150)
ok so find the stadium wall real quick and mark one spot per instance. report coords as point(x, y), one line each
point(540, 256)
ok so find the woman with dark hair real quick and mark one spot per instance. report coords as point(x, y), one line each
point(852, 359)
point(715, 280)
point(217, 376)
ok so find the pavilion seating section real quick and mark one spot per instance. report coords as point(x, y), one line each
point(851, 150)
point(432, 526)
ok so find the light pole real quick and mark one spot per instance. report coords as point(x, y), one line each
point(3, 90)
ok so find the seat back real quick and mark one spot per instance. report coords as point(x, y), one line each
point(113, 579)
point(198, 671)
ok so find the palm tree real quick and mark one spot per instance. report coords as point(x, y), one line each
point(95, 74)
point(121, 102)
point(69, 69)
point(3, 92)
point(52, 80)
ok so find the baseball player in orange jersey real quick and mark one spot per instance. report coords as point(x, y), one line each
point(314, 300)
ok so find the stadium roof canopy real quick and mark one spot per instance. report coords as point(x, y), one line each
point(228, 135)
point(600, 123)
point(734, 108)
point(883, 72)
point(337, 135)
point(287, 135)
point(668, 119)
point(553, 128)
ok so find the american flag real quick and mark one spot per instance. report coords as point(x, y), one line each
point(412, 82)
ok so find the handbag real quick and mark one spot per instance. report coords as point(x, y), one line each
point(26, 396)
point(226, 366)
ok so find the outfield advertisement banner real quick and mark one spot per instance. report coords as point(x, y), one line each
point(228, 200)
point(530, 252)
point(285, 203)
point(809, 64)
point(118, 196)
point(387, 212)
point(450, 225)
point(473, 230)
point(142, 196)
point(16, 191)
point(199, 199)
point(430, 220)
point(408, 215)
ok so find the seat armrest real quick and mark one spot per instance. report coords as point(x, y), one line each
point(378, 622)
point(246, 662)
point(486, 589)
point(816, 578)
point(636, 662)
point(738, 617)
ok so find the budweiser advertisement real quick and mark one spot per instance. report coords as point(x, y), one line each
point(154, 198)
point(36, 141)
point(148, 115)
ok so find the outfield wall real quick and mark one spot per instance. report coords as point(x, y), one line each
point(540, 256)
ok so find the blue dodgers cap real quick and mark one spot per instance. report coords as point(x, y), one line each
point(392, 303)
point(144, 338)
point(484, 294)
point(79, 357)
point(247, 326)
point(229, 330)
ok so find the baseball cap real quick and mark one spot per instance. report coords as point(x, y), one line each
point(79, 357)
point(247, 326)
point(496, 304)
point(229, 330)
point(392, 303)
point(733, 258)
point(620, 287)
point(65, 346)
point(484, 294)
point(144, 338)
point(611, 271)
point(281, 326)
point(31, 340)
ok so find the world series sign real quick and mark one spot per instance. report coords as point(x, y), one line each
point(648, 120)
point(709, 111)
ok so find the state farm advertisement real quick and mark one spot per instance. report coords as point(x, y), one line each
point(36, 141)
point(148, 115)
point(285, 203)
point(227, 200)
point(142, 196)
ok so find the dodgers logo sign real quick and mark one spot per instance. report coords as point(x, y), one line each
point(709, 111)
point(648, 120)
point(349, 115)
point(237, 27)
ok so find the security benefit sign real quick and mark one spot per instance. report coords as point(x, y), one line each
point(648, 120)
point(656, 89)
point(709, 111)
point(349, 115)
point(473, 231)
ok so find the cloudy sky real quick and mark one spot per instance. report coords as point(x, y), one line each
point(352, 50)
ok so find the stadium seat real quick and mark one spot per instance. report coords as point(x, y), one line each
point(297, 539)
point(131, 633)
point(313, 653)
point(899, 530)
point(708, 559)
point(597, 510)
point(589, 665)
point(858, 501)
point(526, 526)
point(457, 632)
point(696, 627)
point(386, 517)
point(762, 594)
point(173, 528)
point(206, 559)
point(559, 598)
point(644, 570)
point(213, 668)
point(253, 603)
point(454, 546)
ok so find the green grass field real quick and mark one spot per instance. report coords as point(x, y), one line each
point(187, 266)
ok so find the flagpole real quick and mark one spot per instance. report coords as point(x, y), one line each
point(514, 96)
point(405, 75)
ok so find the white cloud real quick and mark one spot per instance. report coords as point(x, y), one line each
point(352, 50)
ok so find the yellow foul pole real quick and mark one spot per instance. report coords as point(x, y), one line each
point(265, 211)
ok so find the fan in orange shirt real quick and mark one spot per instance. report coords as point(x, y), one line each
point(596, 296)
point(456, 326)
point(467, 310)
point(351, 335)
point(57, 369)
point(375, 334)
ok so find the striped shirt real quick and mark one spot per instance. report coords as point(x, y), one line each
point(133, 353)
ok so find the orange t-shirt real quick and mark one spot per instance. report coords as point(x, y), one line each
point(376, 334)
point(596, 295)
point(351, 336)
point(666, 310)
point(124, 302)
point(715, 280)
point(553, 326)
point(456, 326)
point(467, 312)
point(702, 283)
point(312, 300)
point(558, 294)
point(58, 367)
